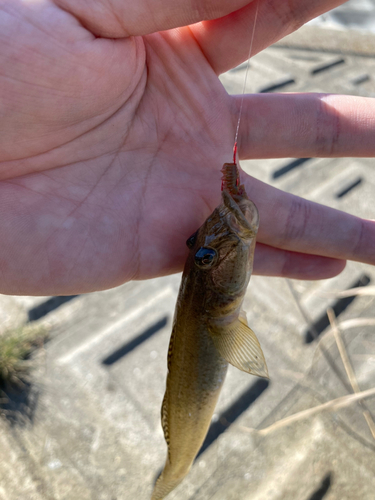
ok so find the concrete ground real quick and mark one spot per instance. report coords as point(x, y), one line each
point(88, 425)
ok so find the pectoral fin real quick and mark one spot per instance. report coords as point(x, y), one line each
point(238, 344)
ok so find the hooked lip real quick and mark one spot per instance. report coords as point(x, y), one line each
point(241, 223)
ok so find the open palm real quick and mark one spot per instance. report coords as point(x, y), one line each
point(113, 134)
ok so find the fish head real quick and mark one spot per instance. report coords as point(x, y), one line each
point(222, 250)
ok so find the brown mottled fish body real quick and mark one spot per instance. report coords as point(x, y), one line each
point(209, 329)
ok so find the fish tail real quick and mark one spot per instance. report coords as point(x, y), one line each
point(167, 481)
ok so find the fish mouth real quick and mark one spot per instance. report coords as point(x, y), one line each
point(243, 215)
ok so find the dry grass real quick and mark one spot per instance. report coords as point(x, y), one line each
point(305, 379)
point(16, 345)
point(348, 367)
point(332, 406)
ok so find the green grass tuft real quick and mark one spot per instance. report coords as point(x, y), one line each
point(16, 345)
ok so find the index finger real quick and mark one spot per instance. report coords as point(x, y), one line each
point(121, 18)
point(225, 42)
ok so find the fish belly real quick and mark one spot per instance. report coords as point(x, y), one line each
point(195, 377)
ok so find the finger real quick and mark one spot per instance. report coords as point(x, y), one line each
point(305, 125)
point(292, 223)
point(225, 42)
point(269, 261)
point(120, 18)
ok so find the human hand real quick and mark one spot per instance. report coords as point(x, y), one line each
point(113, 134)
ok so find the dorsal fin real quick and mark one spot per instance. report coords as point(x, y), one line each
point(164, 406)
point(164, 419)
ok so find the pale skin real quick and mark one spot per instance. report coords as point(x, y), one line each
point(113, 132)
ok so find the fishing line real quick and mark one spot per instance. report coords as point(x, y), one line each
point(244, 84)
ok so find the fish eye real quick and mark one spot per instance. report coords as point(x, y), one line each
point(190, 242)
point(205, 257)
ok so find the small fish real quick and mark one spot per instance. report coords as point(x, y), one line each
point(209, 328)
